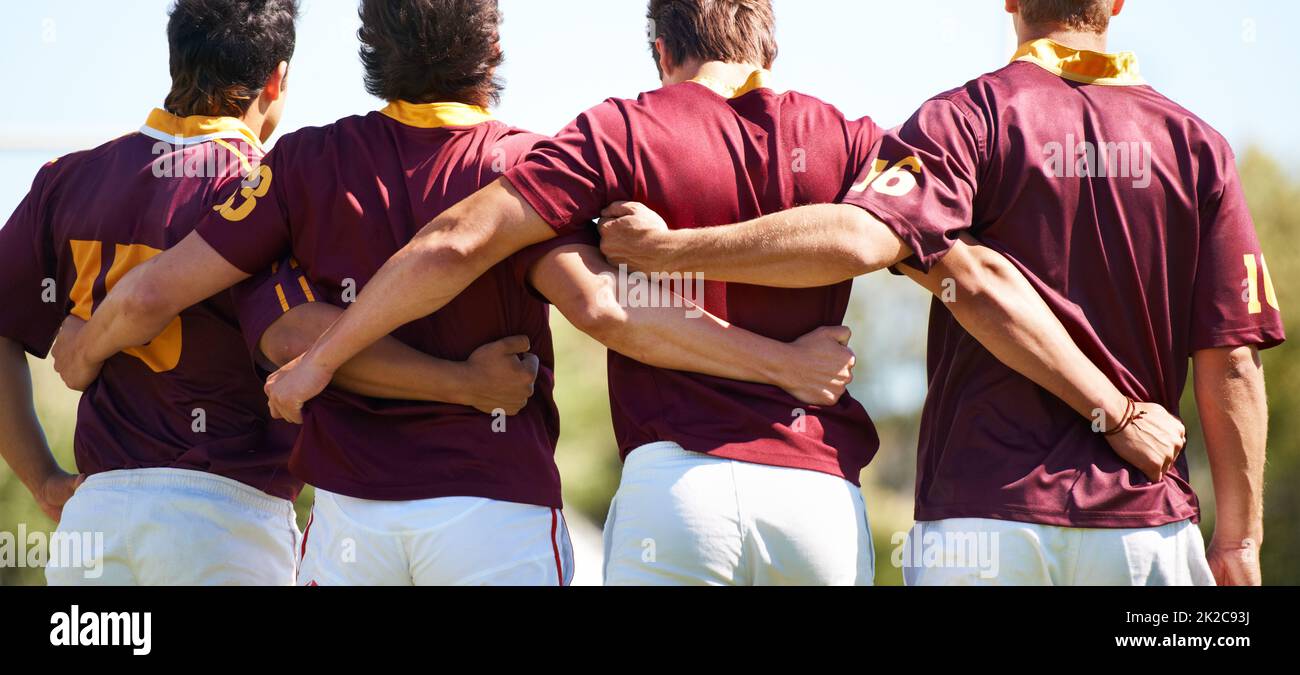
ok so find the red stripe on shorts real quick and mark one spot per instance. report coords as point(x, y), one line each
point(555, 545)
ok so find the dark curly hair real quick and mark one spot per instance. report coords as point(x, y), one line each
point(223, 52)
point(426, 51)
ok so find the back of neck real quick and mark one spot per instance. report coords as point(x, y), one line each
point(255, 120)
point(730, 75)
point(1081, 40)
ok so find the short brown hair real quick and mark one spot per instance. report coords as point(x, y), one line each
point(732, 31)
point(430, 51)
point(1085, 15)
point(224, 51)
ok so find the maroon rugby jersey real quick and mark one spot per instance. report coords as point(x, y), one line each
point(701, 158)
point(191, 399)
point(343, 199)
point(1125, 211)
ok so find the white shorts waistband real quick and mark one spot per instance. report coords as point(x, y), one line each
point(200, 481)
point(662, 451)
point(668, 451)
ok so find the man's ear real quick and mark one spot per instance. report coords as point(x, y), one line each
point(1013, 6)
point(276, 84)
point(666, 65)
point(1119, 7)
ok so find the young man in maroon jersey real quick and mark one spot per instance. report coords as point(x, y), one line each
point(725, 482)
point(1126, 213)
point(406, 492)
point(186, 477)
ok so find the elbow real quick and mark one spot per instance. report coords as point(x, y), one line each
point(433, 259)
point(985, 277)
point(599, 315)
point(452, 254)
point(1243, 364)
point(1238, 365)
point(864, 245)
point(856, 263)
point(456, 250)
point(991, 276)
point(605, 324)
point(295, 332)
point(449, 244)
point(145, 303)
point(282, 344)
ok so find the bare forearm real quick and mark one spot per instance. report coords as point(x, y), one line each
point(690, 340)
point(806, 247)
point(132, 315)
point(141, 305)
point(402, 376)
point(995, 304)
point(1231, 398)
point(440, 262)
point(418, 281)
point(23, 443)
point(676, 334)
point(388, 369)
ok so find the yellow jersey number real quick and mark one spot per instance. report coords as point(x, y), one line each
point(892, 181)
point(1254, 272)
point(255, 187)
point(161, 355)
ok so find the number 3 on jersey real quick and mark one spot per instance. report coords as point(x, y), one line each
point(250, 192)
point(161, 355)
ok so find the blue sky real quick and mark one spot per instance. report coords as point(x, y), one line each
point(80, 71)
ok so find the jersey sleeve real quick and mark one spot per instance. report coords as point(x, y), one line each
point(922, 179)
point(514, 146)
point(863, 141)
point(1234, 302)
point(35, 304)
point(571, 178)
point(248, 224)
point(261, 300)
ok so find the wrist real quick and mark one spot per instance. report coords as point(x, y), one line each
point(1113, 408)
point(35, 482)
point(1237, 536)
point(776, 368)
point(314, 359)
point(459, 385)
point(671, 247)
point(73, 349)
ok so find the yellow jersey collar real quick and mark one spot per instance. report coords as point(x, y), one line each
point(170, 128)
point(760, 79)
point(436, 115)
point(1080, 65)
